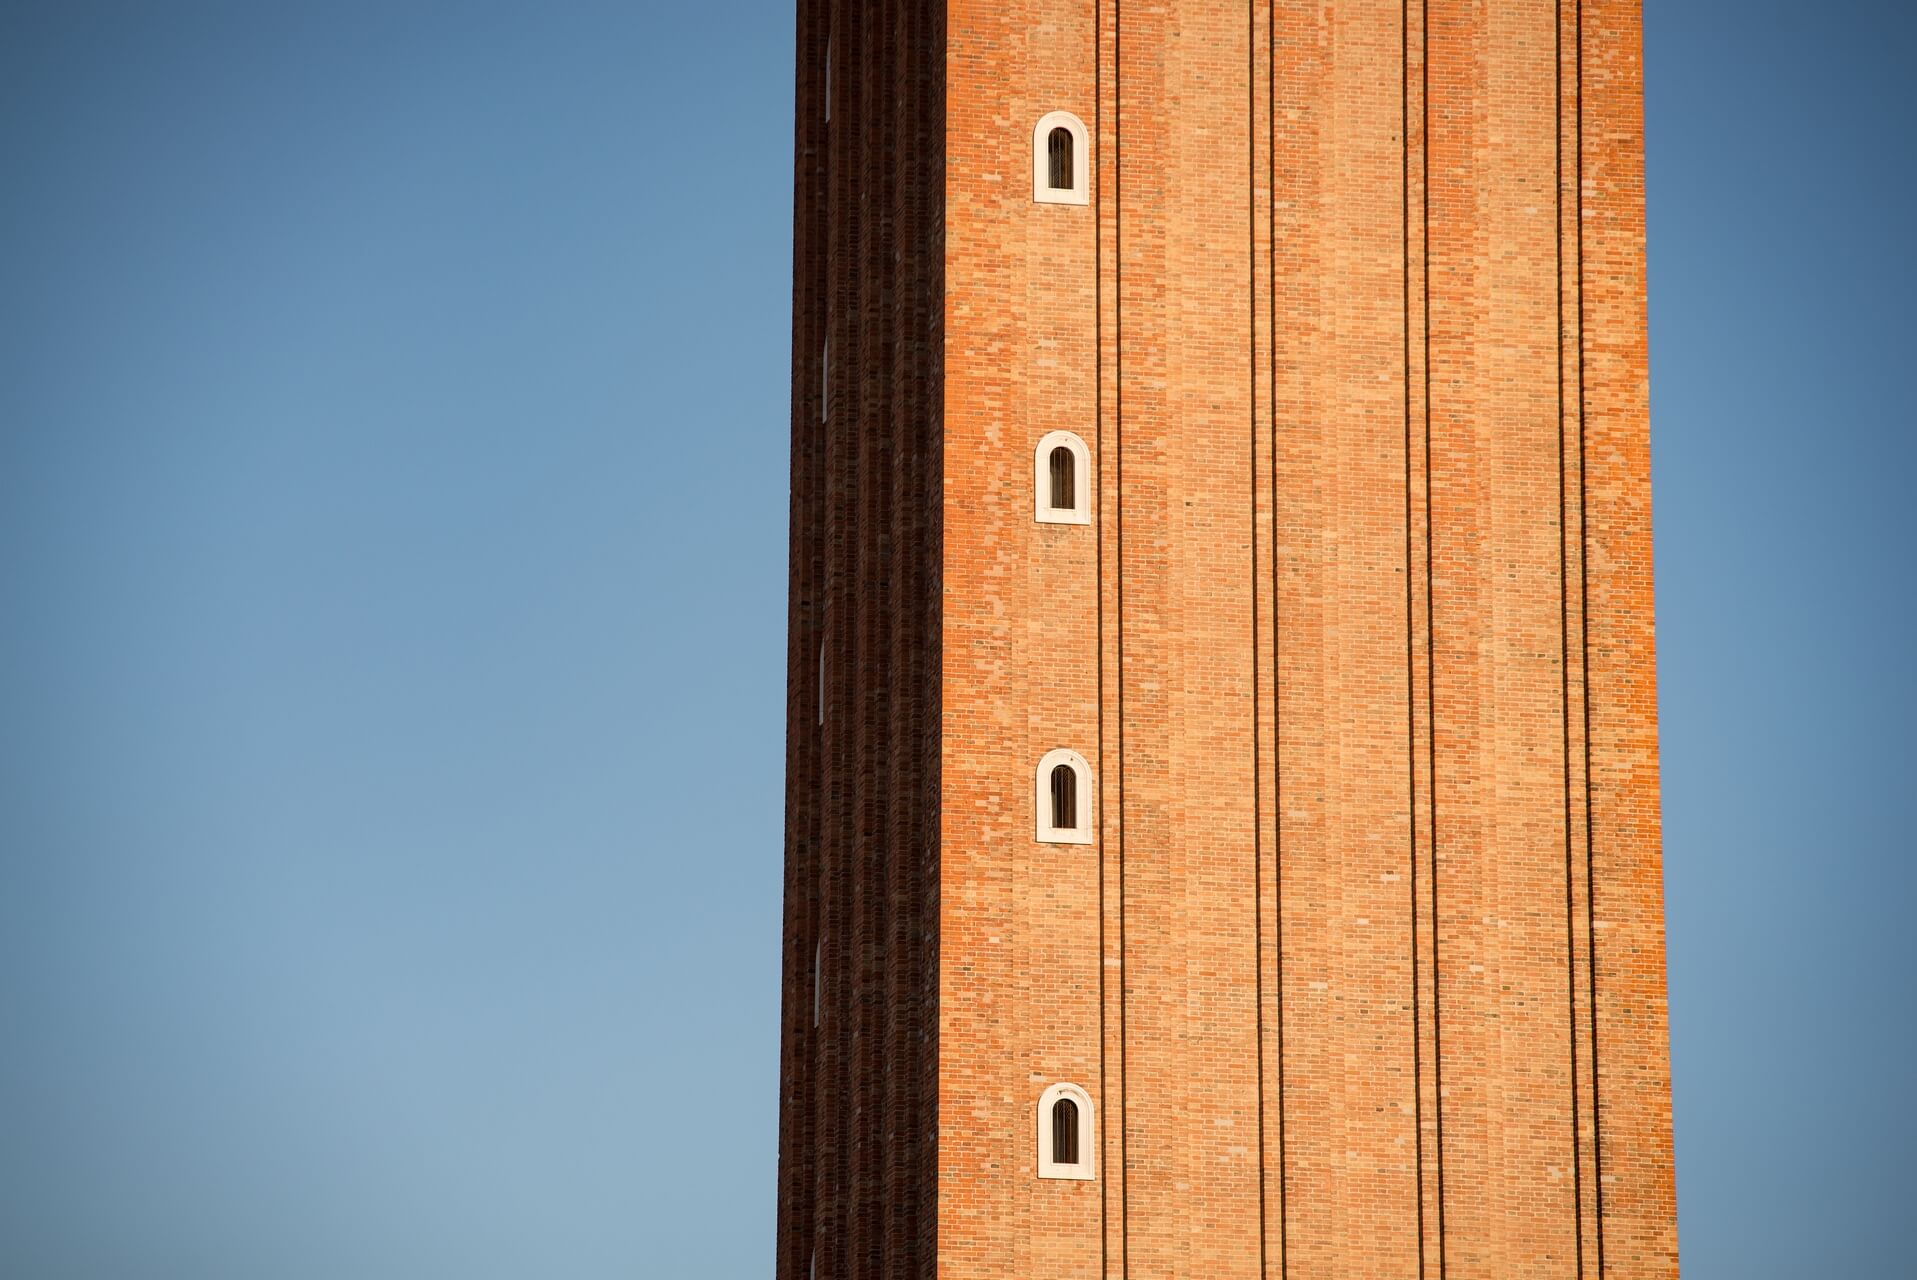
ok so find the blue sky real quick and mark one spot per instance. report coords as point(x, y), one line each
point(390, 781)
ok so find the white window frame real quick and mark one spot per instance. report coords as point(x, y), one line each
point(1046, 833)
point(1081, 189)
point(1087, 1167)
point(1042, 509)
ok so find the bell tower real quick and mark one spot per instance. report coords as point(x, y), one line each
point(1222, 789)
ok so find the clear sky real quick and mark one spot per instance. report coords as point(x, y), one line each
point(393, 427)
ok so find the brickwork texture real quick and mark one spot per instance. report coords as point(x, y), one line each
point(1364, 969)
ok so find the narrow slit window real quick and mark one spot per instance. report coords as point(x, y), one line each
point(1064, 797)
point(1064, 1132)
point(1058, 149)
point(1064, 496)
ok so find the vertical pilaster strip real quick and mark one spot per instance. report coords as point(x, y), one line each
point(1636, 1180)
point(1350, 1123)
point(798, 1048)
point(916, 143)
point(868, 392)
point(984, 1094)
point(1048, 51)
point(838, 411)
point(1301, 264)
point(1107, 192)
point(1141, 35)
point(1509, 1141)
point(1369, 818)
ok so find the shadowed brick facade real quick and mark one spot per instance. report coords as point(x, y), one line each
point(1364, 969)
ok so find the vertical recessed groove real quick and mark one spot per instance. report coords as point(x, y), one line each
point(1096, 491)
point(1564, 655)
point(1257, 769)
point(1410, 617)
point(1118, 633)
point(1430, 647)
point(1584, 640)
point(1277, 637)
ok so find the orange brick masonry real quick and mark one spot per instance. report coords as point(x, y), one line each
point(1364, 972)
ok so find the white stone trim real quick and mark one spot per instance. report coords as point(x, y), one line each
point(1087, 1166)
point(1042, 509)
point(1081, 189)
point(1042, 800)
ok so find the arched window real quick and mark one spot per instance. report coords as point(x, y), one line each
point(1062, 803)
point(1065, 1141)
point(1064, 797)
point(1060, 171)
point(1064, 1132)
point(1061, 480)
point(1063, 496)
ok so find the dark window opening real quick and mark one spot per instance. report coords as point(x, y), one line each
point(1064, 797)
point(1059, 150)
point(1064, 495)
point(1064, 1132)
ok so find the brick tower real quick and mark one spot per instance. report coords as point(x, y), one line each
point(1223, 834)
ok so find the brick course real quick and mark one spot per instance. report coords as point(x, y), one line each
point(1364, 972)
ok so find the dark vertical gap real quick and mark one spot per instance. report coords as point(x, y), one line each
point(1277, 639)
point(1584, 641)
point(1564, 643)
point(1410, 617)
point(1118, 432)
point(1257, 763)
point(1094, 489)
point(1431, 651)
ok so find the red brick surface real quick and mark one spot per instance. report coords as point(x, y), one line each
point(1364, 972)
